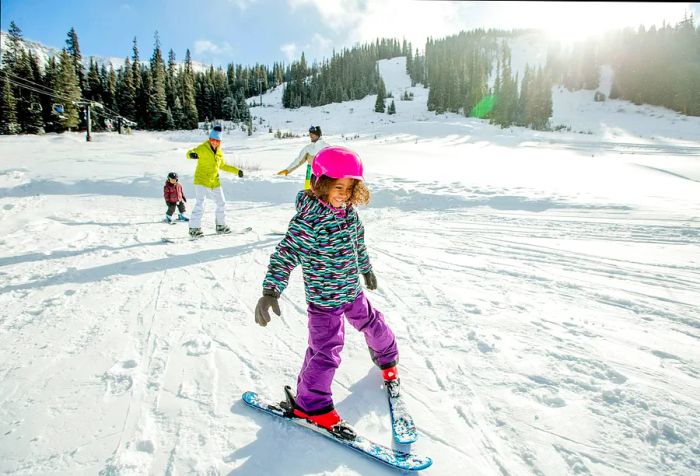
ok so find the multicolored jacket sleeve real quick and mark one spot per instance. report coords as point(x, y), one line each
point(362, 256)
point(289, 253)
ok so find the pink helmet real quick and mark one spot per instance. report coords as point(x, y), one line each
point(337, 163)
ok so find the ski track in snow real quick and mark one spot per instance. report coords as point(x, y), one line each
point(502, 323)
point(547, 317)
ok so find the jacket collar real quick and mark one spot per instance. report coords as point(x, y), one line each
point(316, 206)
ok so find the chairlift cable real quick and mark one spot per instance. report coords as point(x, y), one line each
point(45, 90)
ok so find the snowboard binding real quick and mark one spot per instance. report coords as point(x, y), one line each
point(342, 429)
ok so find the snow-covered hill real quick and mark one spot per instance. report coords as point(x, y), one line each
point(543, 287)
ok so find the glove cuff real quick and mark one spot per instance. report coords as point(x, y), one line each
point(271, 292)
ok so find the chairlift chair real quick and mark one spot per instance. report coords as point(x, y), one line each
point(58, 110)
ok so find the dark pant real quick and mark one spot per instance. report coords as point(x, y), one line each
point(171, 207)
point(326, 339)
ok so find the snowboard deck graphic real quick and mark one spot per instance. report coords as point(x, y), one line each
point(178, 239)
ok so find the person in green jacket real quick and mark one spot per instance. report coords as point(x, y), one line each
point(210, 159)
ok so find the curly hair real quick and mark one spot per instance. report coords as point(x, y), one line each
point(322, 186)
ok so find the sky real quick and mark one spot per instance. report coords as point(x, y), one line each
point(266, 31)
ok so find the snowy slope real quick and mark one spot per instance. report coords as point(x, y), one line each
point(543, 288)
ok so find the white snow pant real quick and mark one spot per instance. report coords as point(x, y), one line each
point(201, 193)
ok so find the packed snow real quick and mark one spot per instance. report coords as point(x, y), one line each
point(544, 288)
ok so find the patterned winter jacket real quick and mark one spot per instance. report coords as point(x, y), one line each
point(330, 248)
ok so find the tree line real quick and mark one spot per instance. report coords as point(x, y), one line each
point(657, 66)
point(346, 76)
point(654, 66)
point(152, 93)
point(458, 70)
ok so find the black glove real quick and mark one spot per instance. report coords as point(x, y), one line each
point(193, 155)
point(370, 280)
point(262, 310)
point(240, 173)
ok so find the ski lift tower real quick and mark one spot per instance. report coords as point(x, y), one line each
point(260, 89)
point(88, 121)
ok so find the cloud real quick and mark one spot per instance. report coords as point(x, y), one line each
point(318, 47)
point(289, 50)
point(361, 21)
point(211, 50)
point(320, 44)
point(335, 14)
point(242, 4)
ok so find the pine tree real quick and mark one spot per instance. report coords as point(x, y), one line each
point(545, 100)
point(49, 80)
point(504, 112)
point(11, 99)
point(157, 103)
point(94, 83)
point(13, 49)
point(126, 93)
point(526, 101)
point(68, 88)
point(230, 109)
point(170, 80)
point(140, 93)
point(147, 81)
point(189, 107)
point(73, 49)
point(169, 123)
point(243, 109)
point(379, 105)
point(110, 90)
point(8, 115)
point(28, 105)
point(392, 108)
point(178, 115)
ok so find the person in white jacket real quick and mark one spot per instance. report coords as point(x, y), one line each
point(307, 155)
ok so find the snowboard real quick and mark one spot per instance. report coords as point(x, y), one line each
point(177, 239)
point(402, 425)
point(394, 458)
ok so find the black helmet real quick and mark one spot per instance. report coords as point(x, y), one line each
point(173, 175)
point(315, 130)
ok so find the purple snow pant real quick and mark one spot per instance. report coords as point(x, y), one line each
point(326, 339)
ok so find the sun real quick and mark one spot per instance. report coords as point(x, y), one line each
point(571, 22)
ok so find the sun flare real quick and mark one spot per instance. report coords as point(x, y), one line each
point(576, 21)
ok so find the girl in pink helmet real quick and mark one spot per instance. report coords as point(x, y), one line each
point(326, 238)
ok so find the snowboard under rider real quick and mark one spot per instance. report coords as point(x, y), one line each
point(210, 158)
point(326, 237)
point(307, 155)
